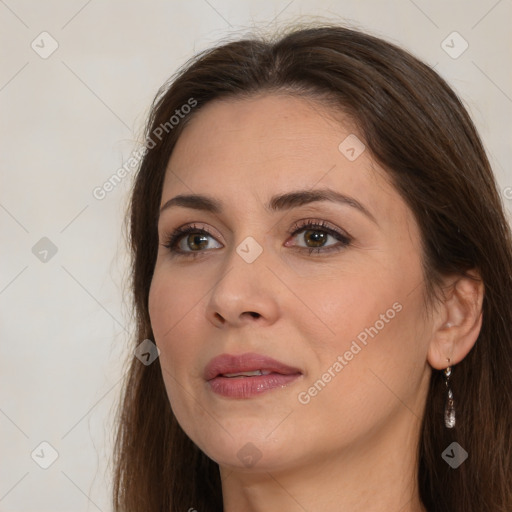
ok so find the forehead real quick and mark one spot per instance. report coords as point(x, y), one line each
point(238, 149)
point(282, 126)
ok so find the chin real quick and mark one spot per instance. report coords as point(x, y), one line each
point(249, 458)
point(249, 446)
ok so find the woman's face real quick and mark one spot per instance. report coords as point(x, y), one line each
point(302, 262)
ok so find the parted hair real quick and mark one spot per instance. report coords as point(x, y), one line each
point(417, 129)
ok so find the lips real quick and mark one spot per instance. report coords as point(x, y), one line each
point(246, 366)
point(248, 375)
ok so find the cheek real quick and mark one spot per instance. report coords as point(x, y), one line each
point(349, 305)
point(171, 315)
point(376, 324)
point(370, 371)
point(169, 303)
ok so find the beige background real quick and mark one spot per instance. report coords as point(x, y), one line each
point(69, 121)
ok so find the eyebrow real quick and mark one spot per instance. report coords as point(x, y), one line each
point(277, 203)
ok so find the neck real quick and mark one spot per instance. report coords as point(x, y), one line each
point(376, 474)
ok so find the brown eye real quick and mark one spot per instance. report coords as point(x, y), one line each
point(316, 235)
point(315, 238)
point(196, 241)
point(189, 240)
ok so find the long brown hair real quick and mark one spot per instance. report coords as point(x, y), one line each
point(417, 129)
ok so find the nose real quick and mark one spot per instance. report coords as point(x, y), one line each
point(245, 293)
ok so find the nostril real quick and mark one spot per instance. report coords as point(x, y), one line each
point(254, 315)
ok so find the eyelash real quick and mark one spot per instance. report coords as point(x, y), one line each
point(303, 225)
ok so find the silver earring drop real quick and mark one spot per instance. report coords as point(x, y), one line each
point(449, 410)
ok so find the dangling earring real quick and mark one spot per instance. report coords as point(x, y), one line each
point(449, 410)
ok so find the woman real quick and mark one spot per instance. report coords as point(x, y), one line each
point(321, 256)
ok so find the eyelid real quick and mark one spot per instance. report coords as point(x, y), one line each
point(322, 225)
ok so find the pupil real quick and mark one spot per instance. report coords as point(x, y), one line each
point(317, 237)
point(193, 241)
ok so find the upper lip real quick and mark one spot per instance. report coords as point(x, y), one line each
point(227, 363)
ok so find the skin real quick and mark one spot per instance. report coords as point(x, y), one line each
point(352, 446)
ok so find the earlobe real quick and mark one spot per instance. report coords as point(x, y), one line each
point(459, 321)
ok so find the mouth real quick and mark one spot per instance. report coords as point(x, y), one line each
point(246, 365)
point(245, 375)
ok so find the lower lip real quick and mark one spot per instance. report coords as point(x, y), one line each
point(246, 387)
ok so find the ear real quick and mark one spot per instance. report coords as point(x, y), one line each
point(458, 320)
